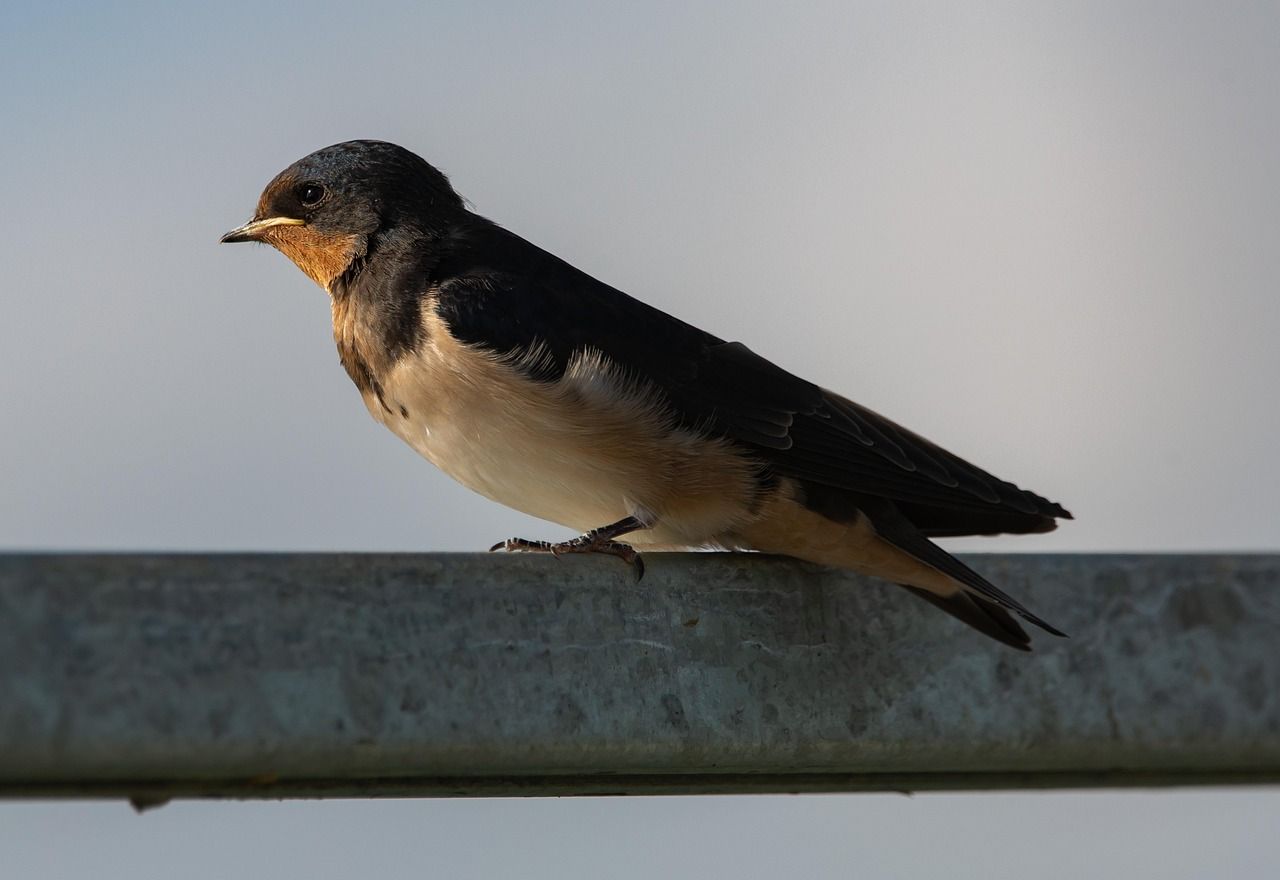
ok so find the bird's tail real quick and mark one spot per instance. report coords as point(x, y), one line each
point(969, 596)
point(881, 542)
point(982, 614)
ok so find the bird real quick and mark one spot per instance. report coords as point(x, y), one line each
point(536, 385)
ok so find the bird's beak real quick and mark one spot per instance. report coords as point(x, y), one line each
point(253, 230)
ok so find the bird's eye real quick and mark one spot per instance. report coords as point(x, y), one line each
point(310, 194)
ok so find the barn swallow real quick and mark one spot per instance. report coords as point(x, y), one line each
point(544, 389)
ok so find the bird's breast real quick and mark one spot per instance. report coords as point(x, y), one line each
point(583, 451)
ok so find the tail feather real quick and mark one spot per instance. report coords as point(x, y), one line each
point(893, 527)
point(982, 614)
point(870, 535)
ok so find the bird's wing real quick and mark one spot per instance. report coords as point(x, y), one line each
point(495, 290)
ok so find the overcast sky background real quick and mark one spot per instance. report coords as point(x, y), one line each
point(1046, 237)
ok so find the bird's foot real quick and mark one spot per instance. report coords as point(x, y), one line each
point(595, 541)
point(522, 545)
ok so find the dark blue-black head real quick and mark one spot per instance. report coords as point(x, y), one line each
point(323, 210)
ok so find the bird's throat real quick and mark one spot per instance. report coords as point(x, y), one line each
point(323, 256)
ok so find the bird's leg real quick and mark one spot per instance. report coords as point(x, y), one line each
point(595, 541)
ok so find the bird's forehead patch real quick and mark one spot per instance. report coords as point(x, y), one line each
point(283, 182)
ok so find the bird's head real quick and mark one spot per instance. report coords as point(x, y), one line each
point(326, 211)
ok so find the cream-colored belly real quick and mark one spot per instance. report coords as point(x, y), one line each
point(584, 452)
point(521, 460)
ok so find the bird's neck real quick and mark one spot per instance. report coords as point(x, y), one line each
point(377, 302)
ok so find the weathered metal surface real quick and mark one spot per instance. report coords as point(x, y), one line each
point(268, 675)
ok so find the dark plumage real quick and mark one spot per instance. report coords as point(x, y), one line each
point(434, 305)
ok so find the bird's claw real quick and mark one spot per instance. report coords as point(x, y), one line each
point(522, 545)
point(584, 544)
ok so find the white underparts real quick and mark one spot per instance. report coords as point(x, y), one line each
point(585, 451)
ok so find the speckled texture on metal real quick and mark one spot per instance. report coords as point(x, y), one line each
point(462, 674)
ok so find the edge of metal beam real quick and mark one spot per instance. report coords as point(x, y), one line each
point(158, 676)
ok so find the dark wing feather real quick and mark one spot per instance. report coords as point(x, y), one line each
point(498, 291)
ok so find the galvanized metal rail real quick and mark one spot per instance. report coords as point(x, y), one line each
point(157, 676)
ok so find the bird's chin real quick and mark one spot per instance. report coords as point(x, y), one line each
point(322, 256)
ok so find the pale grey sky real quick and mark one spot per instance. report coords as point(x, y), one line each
point(1043, 235)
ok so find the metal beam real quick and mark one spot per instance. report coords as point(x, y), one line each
point(154, 676)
